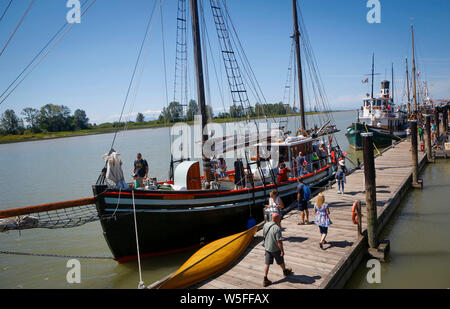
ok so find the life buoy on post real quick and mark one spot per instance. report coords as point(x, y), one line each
point(355, 213)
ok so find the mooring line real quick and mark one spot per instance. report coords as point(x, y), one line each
point(58, 255)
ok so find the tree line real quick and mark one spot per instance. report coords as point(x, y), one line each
point(49, 118)
point(175, 111)
point(58, 118)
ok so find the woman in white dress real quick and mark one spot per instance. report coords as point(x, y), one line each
point(276, 204)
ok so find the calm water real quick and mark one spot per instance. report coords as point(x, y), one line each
point(63, 169)
point(420, 236)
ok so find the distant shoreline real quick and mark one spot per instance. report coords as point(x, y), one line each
point(9, 139)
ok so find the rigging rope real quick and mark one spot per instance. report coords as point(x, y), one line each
point(2, 96)
point(6, 10)
point(17, 26)
point(141, 284)
point(134, 72)
point(58, 255)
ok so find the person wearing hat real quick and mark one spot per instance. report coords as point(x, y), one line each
point(340, 175)
point(273, 246)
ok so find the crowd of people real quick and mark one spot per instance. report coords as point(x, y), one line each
point(272, 230)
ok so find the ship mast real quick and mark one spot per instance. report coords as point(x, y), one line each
point(373, 72)
point(299, 65)
point(407, 87)
point(393, 89)
point(414, 70)
point(199, 68)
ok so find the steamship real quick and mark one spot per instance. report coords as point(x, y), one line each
point(381, 117)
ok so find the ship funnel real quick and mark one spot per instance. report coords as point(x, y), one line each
point(385, 89)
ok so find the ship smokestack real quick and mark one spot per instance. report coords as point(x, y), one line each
point(385, 92)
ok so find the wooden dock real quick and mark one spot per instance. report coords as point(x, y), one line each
point(329, 268)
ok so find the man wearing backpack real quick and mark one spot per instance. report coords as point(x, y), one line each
point(303, 196)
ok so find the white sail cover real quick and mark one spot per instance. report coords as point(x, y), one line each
point(114, 170)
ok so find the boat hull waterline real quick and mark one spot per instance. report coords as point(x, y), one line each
point(174, 221)
point(381, 137)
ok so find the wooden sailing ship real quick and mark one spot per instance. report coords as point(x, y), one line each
point(169, 221)
point(190, 209)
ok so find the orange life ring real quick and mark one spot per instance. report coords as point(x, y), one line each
point(355, 213)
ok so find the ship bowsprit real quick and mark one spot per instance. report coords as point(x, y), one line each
point(67, 214)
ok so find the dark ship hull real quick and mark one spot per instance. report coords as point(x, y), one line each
point(173, 221)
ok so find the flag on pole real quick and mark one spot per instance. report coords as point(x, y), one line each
point(418, 73)
point(365, 81)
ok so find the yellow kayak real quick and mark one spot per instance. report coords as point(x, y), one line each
point(210, 260)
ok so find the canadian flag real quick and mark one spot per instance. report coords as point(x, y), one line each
point(418, 73)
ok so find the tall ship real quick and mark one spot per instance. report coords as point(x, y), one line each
point(380, 116)
point(196, 205)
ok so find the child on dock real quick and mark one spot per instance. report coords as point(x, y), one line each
point(340, 176)
point(322, 218)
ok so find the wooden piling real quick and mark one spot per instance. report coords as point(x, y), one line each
point(415, 164)
point(428, 137)
point(445, 119)
point(358, 211)
point(371, 189)
point(436, 122)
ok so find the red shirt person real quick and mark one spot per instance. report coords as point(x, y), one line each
point(283, 175)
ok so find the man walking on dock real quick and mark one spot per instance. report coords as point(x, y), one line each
point(303, 196)
point(273, 247)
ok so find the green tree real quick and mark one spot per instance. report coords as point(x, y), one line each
point(31, 116)
point(236, 111)
point(80, 120)
point(55, 118)
point(140, 118)
point(10, 123)
point(172, 113)
point(192, 110)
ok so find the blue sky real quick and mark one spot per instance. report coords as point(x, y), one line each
point(92, 65)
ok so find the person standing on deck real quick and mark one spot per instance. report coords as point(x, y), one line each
point(322, 218)
point(421, 134)
point(222, 168)
point(303, 196)
point(140, 169)
point(283, 175)
point(239, 174)
point(300, 160)
point(340, 175)
point(273, 246)
point(276, 204)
